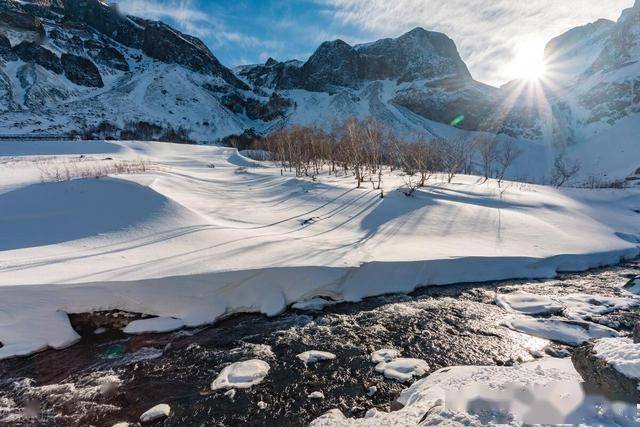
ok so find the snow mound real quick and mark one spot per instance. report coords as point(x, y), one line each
point(241, 375)
point(313, 356)
point(621, 354)
point(159, 411)
point(384, 355)
point(527, 303)
point(571, 332)
point(45, 214)
point(403, 369)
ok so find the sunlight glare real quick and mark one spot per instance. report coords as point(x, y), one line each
point(528, 63)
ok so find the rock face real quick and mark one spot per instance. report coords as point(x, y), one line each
point(106, 55)
point(6, 52)
point(31, 52)
point(604, 378)
point(81, 71)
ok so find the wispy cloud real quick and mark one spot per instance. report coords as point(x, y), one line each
point(489, 34)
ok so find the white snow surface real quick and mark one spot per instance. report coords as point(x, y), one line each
point(621, 354)
point(571, 332)
point(190, 244)
point(241, 374)
point(159, 411)
point(314, 356)
point(527, 303)
point(541, 392)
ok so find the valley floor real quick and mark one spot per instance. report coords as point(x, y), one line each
point(191, 234)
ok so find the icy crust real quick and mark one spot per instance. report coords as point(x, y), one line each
point(573, 332)
point(189, 244)
point(314, 356)
point(621, 354)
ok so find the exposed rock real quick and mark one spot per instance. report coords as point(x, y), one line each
point(598, 374)
point(31, 52)
point(332, 64)
point(106, 55)
point(275, 108)
point(165, 44)
point(5, 49)
point(28, 26)
point(636, 334)
point(81, 71)
point(86, 323)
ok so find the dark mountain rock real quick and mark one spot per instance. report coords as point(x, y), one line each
point(6, 52)
point(22, 22)
point(105, 19)
point(274, 74)
point(81, 71)
point(275, 108)
point(597, 373)
point(31, 52)
point(165, 44)
point(106, 55)
point(416, 55)
point(332, 64)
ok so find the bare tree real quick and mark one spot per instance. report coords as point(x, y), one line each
point(563, 170)
point(487, 149)
point(507, 154)
point(453, 155)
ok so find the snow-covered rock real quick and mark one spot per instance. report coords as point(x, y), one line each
point(159, 411)
point(313, 356)
point(316, 395)
point(403, 369)
point(384, 355)
point(612, 365)
point(241, 374)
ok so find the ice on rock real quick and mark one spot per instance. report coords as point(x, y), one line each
point(313, 356)
point(159, 411)
point(403, 369)
point(262, 405)
point(527, 303)
point(316, 395)
point(241, 375)
point(571, 332)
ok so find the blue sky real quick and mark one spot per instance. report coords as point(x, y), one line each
point(490, 34)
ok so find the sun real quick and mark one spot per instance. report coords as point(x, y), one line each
point(528, 63)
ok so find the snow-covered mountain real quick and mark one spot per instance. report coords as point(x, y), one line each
point(70, 65)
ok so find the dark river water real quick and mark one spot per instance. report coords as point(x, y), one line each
point(113, 377)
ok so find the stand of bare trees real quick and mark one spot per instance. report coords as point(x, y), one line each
point(365, 150)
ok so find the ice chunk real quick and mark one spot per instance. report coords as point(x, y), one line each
point(572, 332)
point(403, 369)
point(241, 375)
point(527, 303)
point(314, 356)
point(159, 411)
point(316, 395)
point(384, 355)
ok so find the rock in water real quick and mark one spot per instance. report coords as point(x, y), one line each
point(313, 356)
point(159, 411)
point(636, 334)
point(611, 365)
point(81, 71)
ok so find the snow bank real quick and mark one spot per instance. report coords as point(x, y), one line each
point(543, 392)
point(621, 354)
point(572, 332)
point(190, 244)
point(241, 375)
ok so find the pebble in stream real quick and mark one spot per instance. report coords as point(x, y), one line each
point(111, 377)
